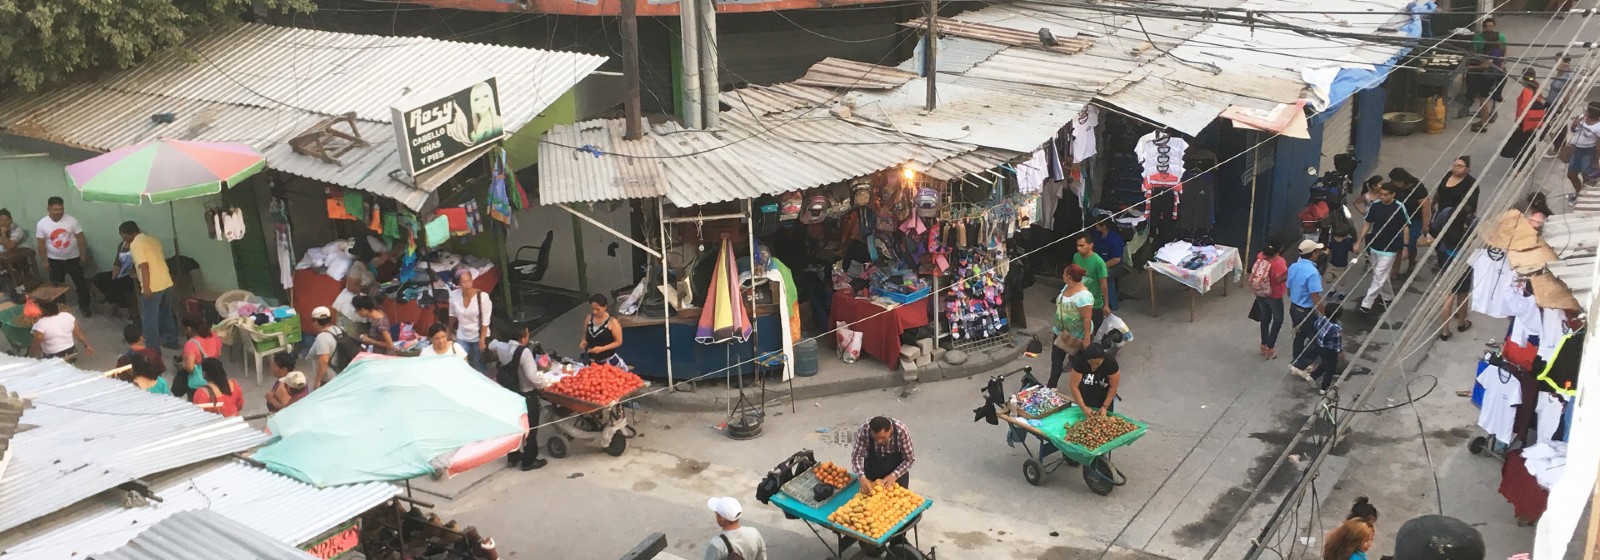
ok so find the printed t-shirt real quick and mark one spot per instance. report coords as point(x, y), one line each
point(1096, 384)
point(1501, 394)
point(1094, 270)
point(60, 237)
point(1068, 316)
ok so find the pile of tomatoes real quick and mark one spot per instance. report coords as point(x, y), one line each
point(599, 383)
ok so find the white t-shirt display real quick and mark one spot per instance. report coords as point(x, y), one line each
point(1501, 395)
point(1149, 153)
point(1549, 411)
point(60, 237)
point(1555, 327)
point(1031, 174)
point(57, 331)
point(1083, 141)
point(471, 316)
point(1492, 284)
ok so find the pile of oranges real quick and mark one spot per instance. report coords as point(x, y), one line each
point(874, 515)
point(831, 475)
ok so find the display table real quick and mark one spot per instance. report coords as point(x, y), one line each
point(314, 289)
point(644, 347)
point(880, 332)
point(1200, 280)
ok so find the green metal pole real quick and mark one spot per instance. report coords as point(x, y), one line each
point(577, 248)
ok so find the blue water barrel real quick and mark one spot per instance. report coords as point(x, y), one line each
point(805, 357)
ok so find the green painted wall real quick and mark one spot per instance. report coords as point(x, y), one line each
point(26, 182)
point(522, 148)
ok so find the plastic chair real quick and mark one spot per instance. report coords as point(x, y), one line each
point(258, 356)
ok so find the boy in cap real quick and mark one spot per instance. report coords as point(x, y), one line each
point(291, 385)
point(735, 542)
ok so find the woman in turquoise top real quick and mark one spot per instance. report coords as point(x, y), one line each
point(147, 376)
point(1348, 541)
point(1074, 320)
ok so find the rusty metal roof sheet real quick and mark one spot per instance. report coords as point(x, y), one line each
point(283, 509)
point(262, 85)
point(87, 434)
point(1065, 44)
point(840, 73)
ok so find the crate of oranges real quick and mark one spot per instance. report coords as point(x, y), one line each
point(832, 475)
point(879, 515)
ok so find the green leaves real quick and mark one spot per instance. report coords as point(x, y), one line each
point(48, 41)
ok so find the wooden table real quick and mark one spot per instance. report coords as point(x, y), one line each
point(48, 293)
point(1199, 281)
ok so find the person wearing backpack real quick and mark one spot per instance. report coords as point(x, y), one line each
point(1269, 281)
point(735, 542)
point(331, 350)
point(523, 369)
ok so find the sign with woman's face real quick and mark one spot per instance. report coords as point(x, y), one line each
point(440, 129)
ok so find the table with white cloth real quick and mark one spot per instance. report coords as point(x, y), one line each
point(1168, 261)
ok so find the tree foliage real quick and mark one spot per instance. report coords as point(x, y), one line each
point(45, 41)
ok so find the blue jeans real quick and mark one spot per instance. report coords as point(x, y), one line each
point(1413, 235)
point(1582, 159)
point(1111, 293)
point(1304, 333)
point(474, 357)
point(155, 318)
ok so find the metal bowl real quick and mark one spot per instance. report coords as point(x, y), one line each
point(1401, 123)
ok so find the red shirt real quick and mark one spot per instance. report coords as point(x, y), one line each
point(1279, 273)
point(230, 404)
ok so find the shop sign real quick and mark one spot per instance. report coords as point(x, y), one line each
point(342, 541)
point(441, 128)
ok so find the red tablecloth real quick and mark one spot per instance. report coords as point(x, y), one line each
point(880, 335)
point(313, 289)
point(1527, 498)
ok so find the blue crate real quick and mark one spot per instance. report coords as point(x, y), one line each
point(903, 299)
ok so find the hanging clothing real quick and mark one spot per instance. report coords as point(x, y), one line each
point(1199, 193)
point(1031, 174)
point(1554, 331)
point(1501, 394)
point(1158, 185)
point(1492, 283)
point(1083, 129)
point(1160, 152)
point(1549, 410)
point(1561, 373)
point(1053, 162)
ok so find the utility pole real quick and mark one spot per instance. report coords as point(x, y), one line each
point(710, 75)
point(689, 57)
point(634, 127)
point(931, 64)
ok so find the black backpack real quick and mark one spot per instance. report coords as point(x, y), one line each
point(345, 348)
point(510, 374)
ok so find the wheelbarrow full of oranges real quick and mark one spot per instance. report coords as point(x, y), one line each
point(884, 522)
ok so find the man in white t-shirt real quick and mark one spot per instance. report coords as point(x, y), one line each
point(61, 242)
point(734, 539)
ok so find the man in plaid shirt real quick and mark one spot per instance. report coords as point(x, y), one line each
point(883, 452)
point(1330, 346)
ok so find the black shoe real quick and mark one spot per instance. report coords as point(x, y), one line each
point(513, 458)
point(536, 464)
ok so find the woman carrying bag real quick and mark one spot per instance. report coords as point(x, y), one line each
point(202, 344)
point(1073, 322)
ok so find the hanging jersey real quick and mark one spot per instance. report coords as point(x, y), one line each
point(1158, 185)
point(1561, 374)
point(1501, 394)
point(1492, 281)
point(1083, 141)
point(1158, 155)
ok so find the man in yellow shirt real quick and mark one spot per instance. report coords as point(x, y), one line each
point(155, 285)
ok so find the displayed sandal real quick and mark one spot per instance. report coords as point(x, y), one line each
point(1464, 326)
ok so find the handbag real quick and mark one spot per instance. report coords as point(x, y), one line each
point(1068, 343)
point(1565, 153)
point(197, 378)
point(1255, 312)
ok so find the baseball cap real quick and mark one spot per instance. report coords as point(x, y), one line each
point(726, 507)
point(295, 380)
point(1307, 246)
point(321, 312)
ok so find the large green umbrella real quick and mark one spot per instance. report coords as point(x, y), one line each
point(164, 171)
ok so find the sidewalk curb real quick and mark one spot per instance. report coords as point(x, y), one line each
point(717, 400)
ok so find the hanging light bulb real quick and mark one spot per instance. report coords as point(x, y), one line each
point(908, 173)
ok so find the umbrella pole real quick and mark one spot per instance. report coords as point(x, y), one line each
point(173, 215)
point(666, 320)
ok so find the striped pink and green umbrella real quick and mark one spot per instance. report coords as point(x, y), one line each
point(164, 171)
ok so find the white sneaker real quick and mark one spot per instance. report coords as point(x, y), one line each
point(1300, 373)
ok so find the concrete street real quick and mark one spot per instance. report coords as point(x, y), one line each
point(1219, 417)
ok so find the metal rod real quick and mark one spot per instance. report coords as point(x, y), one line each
point(1250, 228)
point(610, 230)
point(634, 127)
point(410, 500)
point(577, 246)
point(666, 318)
point(705, 218)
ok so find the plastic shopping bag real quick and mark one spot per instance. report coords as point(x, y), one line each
point(1113, 333)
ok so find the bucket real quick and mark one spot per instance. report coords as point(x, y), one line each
point(805, 357)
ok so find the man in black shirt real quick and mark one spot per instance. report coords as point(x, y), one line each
point(1383, 235)
point(1094, 380)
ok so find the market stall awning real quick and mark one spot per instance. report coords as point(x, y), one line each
point(265, 85)
point(283, 509)
point(80, 442)
point(385, 419)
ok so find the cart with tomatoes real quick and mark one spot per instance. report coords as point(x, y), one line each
point(589, 403)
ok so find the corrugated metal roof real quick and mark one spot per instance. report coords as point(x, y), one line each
point(1065, 44)
point(969, 114)
point(262, 85)
point(957, 55)
point(89, 433)
point(1260, 68)
point(1575, 236)
point(841, 73)
point(11, 407)
point(203, 535)
point(745, 158)
point(277, 506)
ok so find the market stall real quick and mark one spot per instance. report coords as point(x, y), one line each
point(645, 349)
point(827, 498)
point(879, 322)
point(1064, 433)
point(1200, 267)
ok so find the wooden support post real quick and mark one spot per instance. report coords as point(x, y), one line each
point(634, 127)
point(931, 59)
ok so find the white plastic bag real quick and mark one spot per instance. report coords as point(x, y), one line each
point(848, 341)
point(1113, 323)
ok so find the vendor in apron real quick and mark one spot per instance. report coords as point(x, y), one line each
point(602, 334)
point(883, 453)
